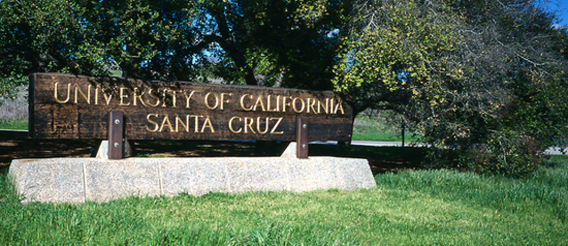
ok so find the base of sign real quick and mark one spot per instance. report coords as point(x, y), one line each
point(102, 153)
point(77, 180)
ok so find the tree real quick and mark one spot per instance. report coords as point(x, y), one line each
point(144, 39)
point(35, 38)
point(175, 40)
point(483, 80)
point(295, 40)
point(394, 52)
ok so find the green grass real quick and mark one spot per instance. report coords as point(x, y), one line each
point(379, 129)
point(438, 207)
point(21, 124)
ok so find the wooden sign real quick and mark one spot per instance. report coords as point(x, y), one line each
point(77, 107)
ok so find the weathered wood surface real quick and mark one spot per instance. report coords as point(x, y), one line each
point(77, 107)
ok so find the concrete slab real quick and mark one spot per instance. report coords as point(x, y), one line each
point(76, 180)
point(196, 176)
point(107, 180)
point(54, 180)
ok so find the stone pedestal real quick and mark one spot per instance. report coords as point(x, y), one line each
point(77, 180)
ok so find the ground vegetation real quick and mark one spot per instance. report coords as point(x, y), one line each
point(425, 207)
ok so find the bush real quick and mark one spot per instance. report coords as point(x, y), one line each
point(9, 85)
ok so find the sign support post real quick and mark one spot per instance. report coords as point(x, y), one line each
point(116, 135)
point(302, 138)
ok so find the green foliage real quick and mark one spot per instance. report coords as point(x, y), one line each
point(438, 207)
point(281, 43)
point(141, 39)
point(254, 42)
point(9, 84)
point(484, 81)
point(389, 37)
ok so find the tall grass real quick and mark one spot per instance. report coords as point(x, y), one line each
point(543, 190)
point(438, 207)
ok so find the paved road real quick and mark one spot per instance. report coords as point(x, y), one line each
point(373, 143)
point(550, 151)
point(556, 151)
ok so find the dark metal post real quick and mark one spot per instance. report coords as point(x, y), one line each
point(302, 138)
point(115, 135)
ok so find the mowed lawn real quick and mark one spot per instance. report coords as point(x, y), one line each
point(426, 207)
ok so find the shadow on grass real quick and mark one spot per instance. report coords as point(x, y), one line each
point(3, 171)
point(28, 148)
point(381, 159)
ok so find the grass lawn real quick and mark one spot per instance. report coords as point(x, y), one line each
point(434, 207)
point(380, 129)
point(21, 124)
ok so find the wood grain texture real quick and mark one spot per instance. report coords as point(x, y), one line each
point(177, 110)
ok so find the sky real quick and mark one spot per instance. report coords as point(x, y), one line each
point(560, 7)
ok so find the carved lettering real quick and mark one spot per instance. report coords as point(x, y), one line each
point(152, 95)
point(180, 121)
point(68, 93)
point(243, 102)
point(207, 124)
point(187, 98)
point(231, 124)
point(164, 96)
point(97, 95)
point(268, 104)
point(122, 96)
point(196, 122)
point(259, 101)
point(223, 100)
point(156, 126)
point(294, 105)
point(273, 131)
point(207, 101)
point(138, 97)
point(108, 97)
point(339, 106)
point(284, 103)
point(164, 122)
point(153, 112)
point(311, 104)
point(248, 124)
point(266, 122)
point(325, 109)
point(86, 97)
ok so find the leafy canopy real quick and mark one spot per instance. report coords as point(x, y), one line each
point(484, 81)
point(291, 43)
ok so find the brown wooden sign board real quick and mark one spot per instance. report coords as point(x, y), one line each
point(77, 107)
